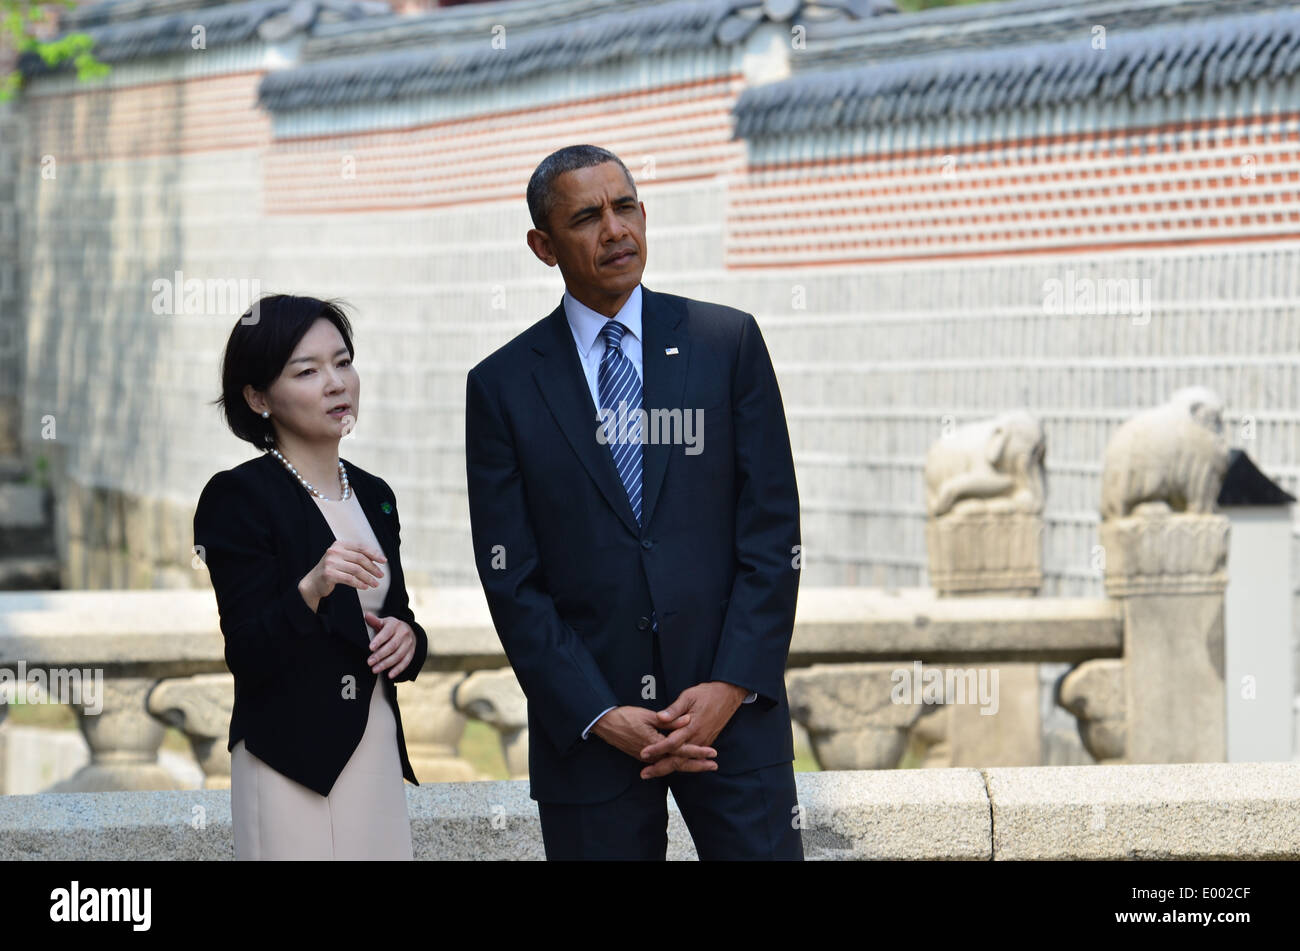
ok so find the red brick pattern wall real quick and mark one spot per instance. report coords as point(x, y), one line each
point(1226, 180)
point(683, 131)
point(163, 118)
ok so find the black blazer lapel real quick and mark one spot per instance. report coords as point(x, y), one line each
point(342, 608)
point(663, 382)
point(564, 388)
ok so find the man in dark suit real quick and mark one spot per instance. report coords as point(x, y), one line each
point(635, 523)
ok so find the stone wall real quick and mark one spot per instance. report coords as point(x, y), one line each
point(413, 212)
point(1183, 812)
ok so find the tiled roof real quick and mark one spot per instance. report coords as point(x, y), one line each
point(160, 34)
point(440, 68)
point(1160, 61)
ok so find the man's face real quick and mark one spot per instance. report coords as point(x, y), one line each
point(596, 235)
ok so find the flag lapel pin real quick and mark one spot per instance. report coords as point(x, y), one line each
point(670, 352)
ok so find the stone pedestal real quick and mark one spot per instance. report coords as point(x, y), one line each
point(1094, 693)
point(1013, 736)
point(4, 748)
point(931, 738)
point(495, 697)
point(433, 727)
point(975, 550)
point(851, 714)
point(200, 707)
point(1170, 572)
point(123, 738)
point(979, 549)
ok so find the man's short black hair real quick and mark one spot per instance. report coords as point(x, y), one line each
point(258, 349)
point(541, 194)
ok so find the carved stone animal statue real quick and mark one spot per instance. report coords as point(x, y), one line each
point(1175, 454)
point(999, 461)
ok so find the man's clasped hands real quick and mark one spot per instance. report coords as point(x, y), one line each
point(693, 720)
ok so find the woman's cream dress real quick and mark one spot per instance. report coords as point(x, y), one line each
point(364, 816)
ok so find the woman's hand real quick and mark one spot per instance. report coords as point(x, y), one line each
point(393, 645)
point(343, 563)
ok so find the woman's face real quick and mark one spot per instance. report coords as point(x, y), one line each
point(317, 377)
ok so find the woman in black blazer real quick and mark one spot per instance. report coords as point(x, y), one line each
point(302, 549)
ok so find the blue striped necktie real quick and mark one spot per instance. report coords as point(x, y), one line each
point(618, 385)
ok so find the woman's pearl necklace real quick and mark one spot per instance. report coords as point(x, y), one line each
point(343, 478)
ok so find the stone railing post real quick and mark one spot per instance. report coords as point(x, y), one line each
point(1170, 574)
point(985, 495)
point(1165, 556)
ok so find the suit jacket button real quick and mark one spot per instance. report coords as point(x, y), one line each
point(643, 624)
point(647, 544)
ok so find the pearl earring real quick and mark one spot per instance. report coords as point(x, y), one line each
point(266, 414)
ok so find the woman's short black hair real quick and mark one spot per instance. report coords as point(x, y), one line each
point(258, 349)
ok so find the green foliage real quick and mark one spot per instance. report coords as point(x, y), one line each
point(18, 20)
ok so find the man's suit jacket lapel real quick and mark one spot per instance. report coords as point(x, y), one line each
point(663, 382)
point(563, 385)
point(564, 388)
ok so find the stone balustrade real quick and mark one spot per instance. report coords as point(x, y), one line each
point(1169, 812)
point(162, 658)
point(869, 672)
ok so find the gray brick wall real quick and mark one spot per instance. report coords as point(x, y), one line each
point(11, 275)
point(872, 359)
